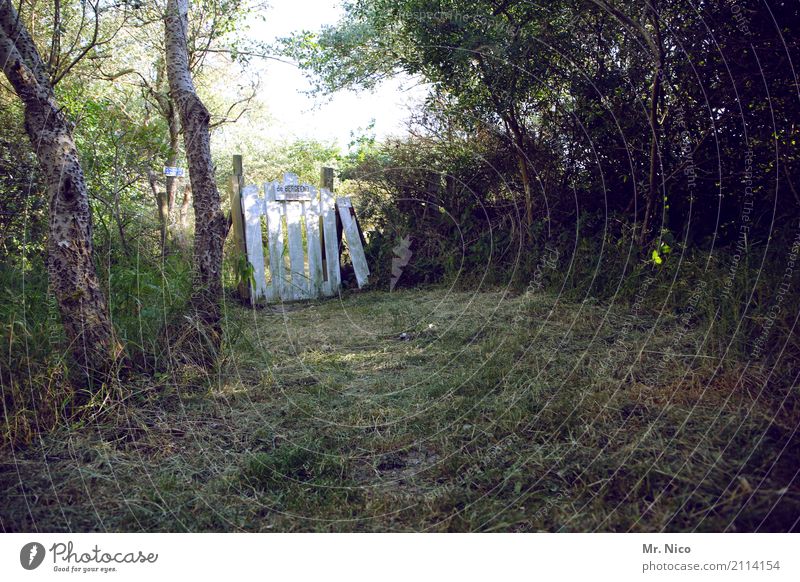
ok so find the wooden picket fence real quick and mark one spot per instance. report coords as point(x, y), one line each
point(302, 241)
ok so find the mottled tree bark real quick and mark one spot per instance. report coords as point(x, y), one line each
point(71, 269)
point(210, 224)
point(183, 218)
point(173, 182)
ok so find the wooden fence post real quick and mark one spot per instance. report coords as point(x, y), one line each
point(326, 178)
point(237, 222)
point(326, 181)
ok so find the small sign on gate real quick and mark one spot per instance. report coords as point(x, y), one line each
point(294, 192)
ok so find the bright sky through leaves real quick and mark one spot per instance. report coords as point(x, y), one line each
point(296, 115)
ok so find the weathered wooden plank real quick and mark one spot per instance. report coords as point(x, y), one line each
point(297, 266)
point(348, 215)
point(252, 205)
point(274, 211)
point(327, 208)
point(311, 213)
point(296, 283)
point(305, 234)
point(326, 178)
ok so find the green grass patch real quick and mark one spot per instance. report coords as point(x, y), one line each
point(431, 411)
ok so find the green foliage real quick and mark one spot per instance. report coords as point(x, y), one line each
point(144, 295)
point(23, 214)
point(33, 358)
point(265, 161)
point(565, 85)
point(244, 272)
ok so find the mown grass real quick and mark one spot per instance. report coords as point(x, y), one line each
point(431, 411)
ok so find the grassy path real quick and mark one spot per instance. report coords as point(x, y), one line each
point(427, 410)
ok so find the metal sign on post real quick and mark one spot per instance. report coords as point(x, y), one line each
point(173, 171)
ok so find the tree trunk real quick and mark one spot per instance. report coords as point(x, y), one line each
point(656, 45)
point(516, 132)
point(522, 162)
point(173, 182)
point(123, 238)
point(183, 218)
point(161, 207)
point(166, 206)
point(210, 224)
point(174, 136)
point(652, 191)
point(70, 264)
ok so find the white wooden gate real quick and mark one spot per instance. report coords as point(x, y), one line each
point(303, 250)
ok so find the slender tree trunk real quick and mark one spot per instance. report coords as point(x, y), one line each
point(120, 227)
point(516, 132)
point(655, 99)
point(522, 163)
point(183, 218)
point(210, 224)
point(166, 206)
point(173, 182)
point(656, 45)
point(161, 207)
point(652, 189)
point(174, 136)
point(70, 264)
